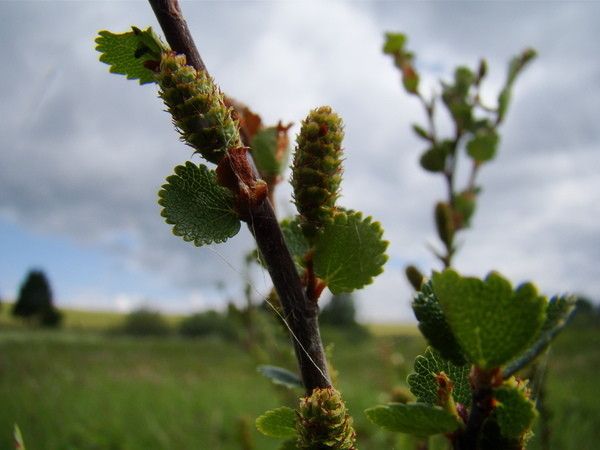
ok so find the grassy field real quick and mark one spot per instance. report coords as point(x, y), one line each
point(82, 388)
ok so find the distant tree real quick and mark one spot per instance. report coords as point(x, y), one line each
point(340, 311)
point(208, 323)
point(146, 322)
point(587, 313)
point(35, 300)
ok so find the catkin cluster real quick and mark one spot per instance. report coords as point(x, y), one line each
point(198, 108)
point(323, 422)
point(317, 168)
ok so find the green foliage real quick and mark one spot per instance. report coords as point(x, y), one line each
point(324, 423)
point(198, 108)
point(492, 323)
point(395, 45)
point(349, 252)
point(295, 241)
point(339, 312)
point(288, 445)
point(585, 312)
point(418, 419)
point(444, 222)
point(434, 158)
point(278, 423)
point(51, 317)
point(196, 389)
point(464, 207)
point(558, 313)
point(515, 67)
point(129, 53)
point(35, 302)
point(482, 147)
point(265, 153)
point(434, 326)
point(424, 383)
point(514, 412)
point(281, 376)
point(201, 211)
point(421, 132)
point(317, 169)
point(145, 322)
point(19, 443)
point(208, 323)
point(34, 295)
point(475, 128)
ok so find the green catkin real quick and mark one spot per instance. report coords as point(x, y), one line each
point(317, 169)
point(198, 108)
point(323, 422)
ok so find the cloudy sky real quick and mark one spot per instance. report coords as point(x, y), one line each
point(83, 153)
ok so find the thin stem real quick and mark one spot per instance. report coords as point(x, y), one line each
point(300, 315)
point(482, 385)
point(429, 110)
point(473, 176)
point(169, 16)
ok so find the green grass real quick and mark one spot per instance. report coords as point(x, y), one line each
point(72, 389)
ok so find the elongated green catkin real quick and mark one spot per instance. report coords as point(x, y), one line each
point(317, 168)
point(323, 422)
point(198, 108)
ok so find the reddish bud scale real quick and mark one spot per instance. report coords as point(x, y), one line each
point(235, 173)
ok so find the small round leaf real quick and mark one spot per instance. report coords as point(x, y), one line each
point(200, 210)
point(349, 252)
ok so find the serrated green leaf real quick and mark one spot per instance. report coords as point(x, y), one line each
point(418, 419)
point(295, 241)
point(264, 152)
point(126, 53)
point(200, 210)
point(558, 312)
point(349, 252)
point(483, 145)
point(281, 376)
point(434, 326)
point(423, 382)
point(278, 423)
point(492, 323)
point(18, 437)
point(514, 412)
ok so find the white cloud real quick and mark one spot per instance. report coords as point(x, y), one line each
point(83, 152)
